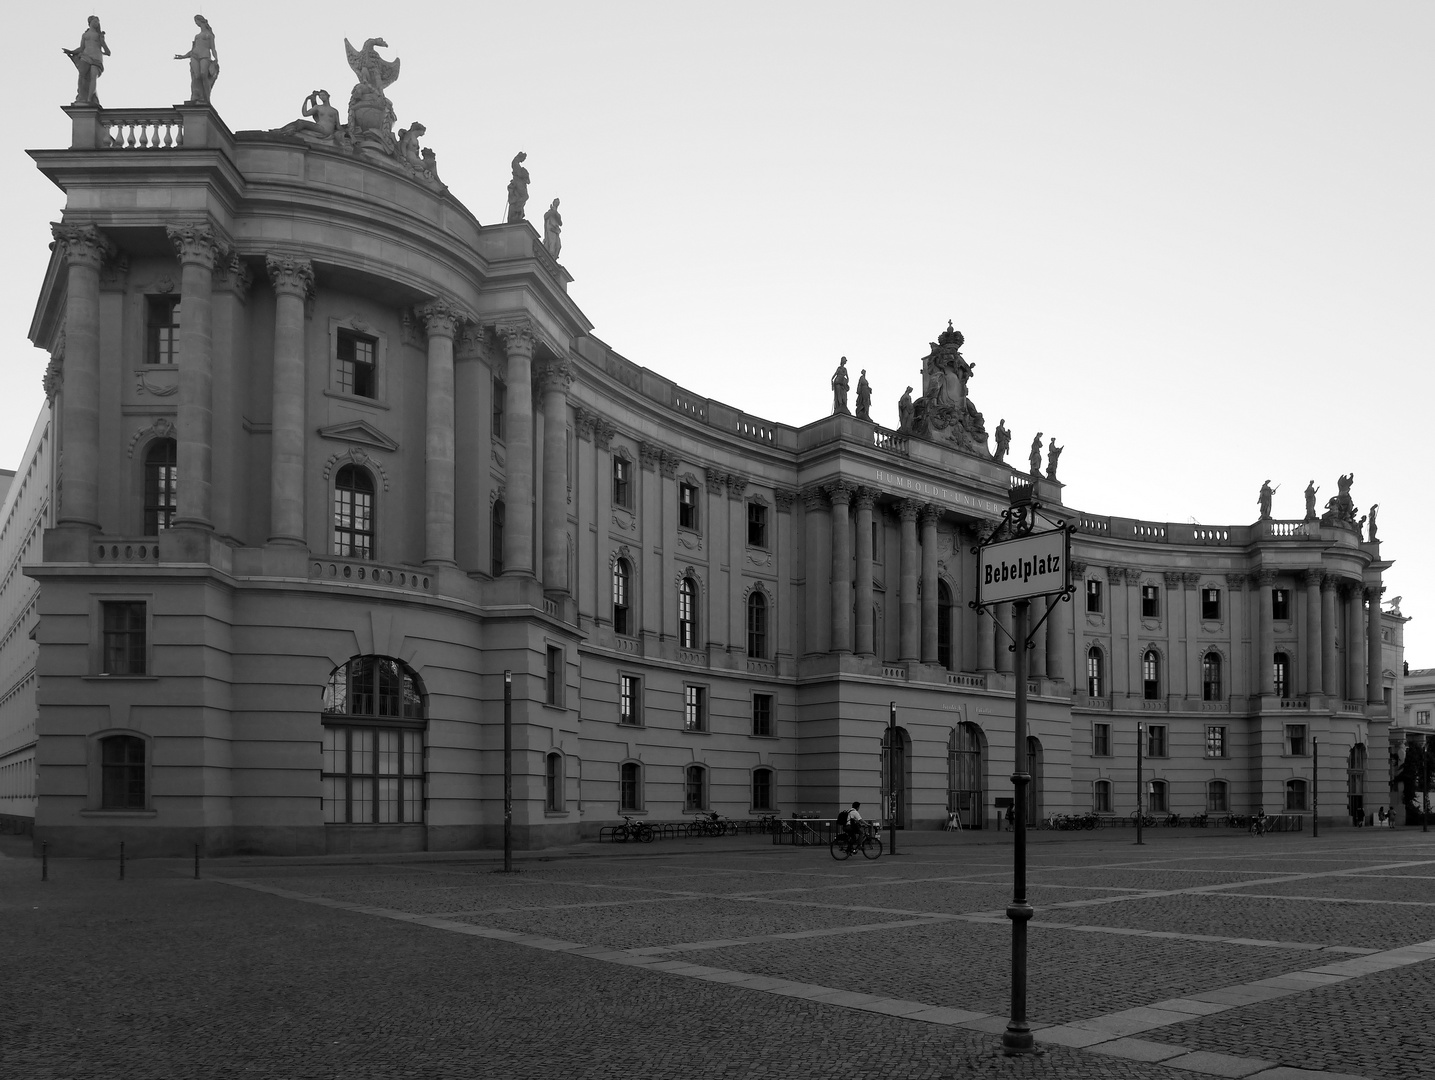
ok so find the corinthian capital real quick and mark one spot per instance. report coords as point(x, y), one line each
point(195, 244)
point(555, 375)
point(518, 337)
point(931, 514)
point(440, 318)
point(840, 493)
point(80, 245)
point(290, 274)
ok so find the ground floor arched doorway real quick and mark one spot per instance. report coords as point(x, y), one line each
point(896, 764)
point(966, 766)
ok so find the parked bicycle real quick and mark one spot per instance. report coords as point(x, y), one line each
point(640, 831)
point(713, 824)
point(1172, 821)
point(867, 842)
point(1148, 820)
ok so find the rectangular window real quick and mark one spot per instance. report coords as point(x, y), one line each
point(1217, 799)
point(1295, 795)
point(695, 796)
point(554, 676)
point(1280, 604)
point(373, 776)
point(695, 710)
point(356, 364)
point(1100, 740)
point(500, 405)
point(623, 483)
point(630, 787)
point(123, 648)
point(1295, 740)
point(1150, 601)
point(1101, 797)
point(630, 699)
point(1093, 596)
point(1157, 801)
point(1422, 717)
point(762, 714)
point(687, 506)
point(756, 525)
point(1211, 604)
point(122, 773)
point(162, 329)
point(762, 789)
point(1215, 741)
point(554, 784)
point(1155, 740)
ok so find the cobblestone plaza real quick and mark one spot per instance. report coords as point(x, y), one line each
point(1201, 953)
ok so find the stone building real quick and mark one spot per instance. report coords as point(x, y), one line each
point(333, 457)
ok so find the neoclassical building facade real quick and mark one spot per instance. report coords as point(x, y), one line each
point(331, 457)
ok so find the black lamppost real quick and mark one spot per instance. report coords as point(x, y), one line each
point(892, 778)
point(1140, 779)
point(1018, 1039)
point(507, 772)
point(1315, 787)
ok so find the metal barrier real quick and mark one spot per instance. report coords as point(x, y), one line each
point(801, 831)
point(703, 826)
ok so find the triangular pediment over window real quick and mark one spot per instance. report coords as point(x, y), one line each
point(359, 431)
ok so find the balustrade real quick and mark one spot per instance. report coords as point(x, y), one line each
point(358, 571)
point(143, 129)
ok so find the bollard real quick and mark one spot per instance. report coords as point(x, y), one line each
point(196, 862)
point(44, 860)
point(122, 860)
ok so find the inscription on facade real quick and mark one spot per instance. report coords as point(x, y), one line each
point(951, 496)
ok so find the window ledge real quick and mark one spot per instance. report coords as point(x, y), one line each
point(696, 731)
point(755, 735)
point(355, 399)
point(636, 726)
point(555, 813)
point(105, 677)
point(119, 813)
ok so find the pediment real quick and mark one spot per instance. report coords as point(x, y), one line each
point(358, 431)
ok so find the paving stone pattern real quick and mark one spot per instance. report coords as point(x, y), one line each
point(728, 958)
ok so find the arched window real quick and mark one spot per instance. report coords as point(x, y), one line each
point(1151, 675)
point(695, 788)
point(122, 773)
point(160, 486)
point(1282, 670)
point(354, 513)
point(1157, 802)
point(553, 783)
point(1211, 677)
point(1094, 680)
point(1218, 796)
point(495, 538)
point(630, 786)
point(762, 789)
point(1295, 794)
point(687, 614)
point(373, 720)
point(622, 591)
point(757, 625)
point(1101, 797)
point(944, 625)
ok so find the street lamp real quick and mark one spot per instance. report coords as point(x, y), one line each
point(1140, 779)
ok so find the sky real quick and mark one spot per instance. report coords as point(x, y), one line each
point(1194, 242)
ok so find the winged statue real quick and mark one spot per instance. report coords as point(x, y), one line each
point(369, 66)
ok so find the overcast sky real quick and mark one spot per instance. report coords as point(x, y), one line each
point(1194, 242)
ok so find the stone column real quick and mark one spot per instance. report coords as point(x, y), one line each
point(987, 634)
point(841, 495)
point(1314, 657)
point(817, 597)
point(82, 248)
point(1240, 682)
point(1374, 680)
point(929, 516)
point(1266, 646)
point(293, 280)
point(198, 249)
point(554, 378)
point(1059, 641)
point(862, 629)
point(910, 636)
point(1354, 644)
point(518, 340)
point(1330, 654)
point(1003, 638)
point(441, 321)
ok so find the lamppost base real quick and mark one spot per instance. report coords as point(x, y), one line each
point(1019, 1042)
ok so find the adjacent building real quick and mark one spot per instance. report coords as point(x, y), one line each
point(328, 467)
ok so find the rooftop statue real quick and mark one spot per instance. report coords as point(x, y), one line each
point(1264, 499)
point(1036, 456)
point(409, 150)
point(864, 397)
point(371, 114)
point(326, 118)
point(944, 413)
point(1053, 455)
point(840, 383)
point(1370, 534)
point(203, 63)
point(553, 229)
point(1310, 490)
point(1340, 510)
point(89, 61)
point(518, 188)
point(1003, 441)
point(905, 411)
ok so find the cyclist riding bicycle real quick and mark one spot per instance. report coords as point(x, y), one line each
point(850, 822)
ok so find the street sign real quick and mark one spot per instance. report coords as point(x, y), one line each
point(1033, 565)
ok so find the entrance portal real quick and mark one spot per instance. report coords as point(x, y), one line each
point(896, 760)
point(966, 751)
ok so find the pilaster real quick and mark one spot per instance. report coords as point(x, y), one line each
point(293, 280)
point(82, 247)
point(198, 249)
point(519, 340)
